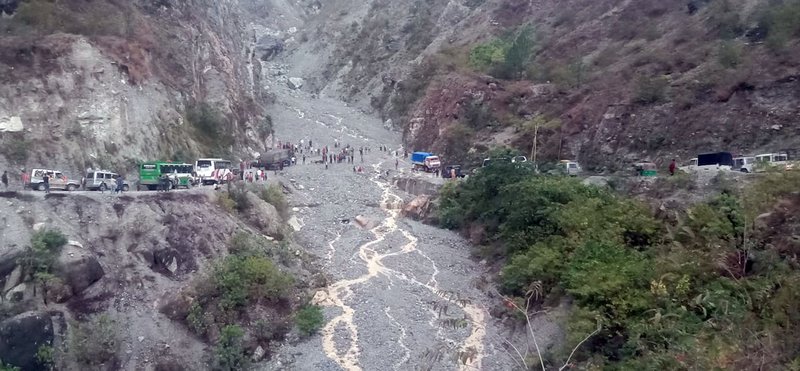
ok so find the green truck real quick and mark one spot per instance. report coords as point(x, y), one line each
point(179, 175)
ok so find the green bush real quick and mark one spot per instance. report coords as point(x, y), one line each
point(309, 320)
point(7, 367)
point(94, 342)
point(16, 150)
point(196, 319)
point(46, 357)
point(41, 255)
point(241, 279)
point(275, 197)
point(229, 352)
point(484, 56)
point(211, 128)
point(781, 23)
point(651, 90)
point(729, 54)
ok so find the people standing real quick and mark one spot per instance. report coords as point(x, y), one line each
point(396, 163)
point(25, 179)
point(120, 184)
point(46, 181)
point(5, 179)
point(304, 159)
point(672, 166)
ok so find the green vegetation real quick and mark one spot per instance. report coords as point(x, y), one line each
point(15, 150)
point(211, 129)
point(651, 90)
point(505, 57)
point(781, 22)
point(242, 279)
point(46, 357)
point(309, 320)
point(275, 197)
point(724, 19)
point(7, 367)
point(41, 255)
point(703, 290)
point(245, 278)
point(729, 54)
point(229, 352)
point(94, 342)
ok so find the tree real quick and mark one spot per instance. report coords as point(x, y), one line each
point(518, 54)
point(532, 127)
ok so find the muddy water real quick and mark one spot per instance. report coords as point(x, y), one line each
point(340, 292)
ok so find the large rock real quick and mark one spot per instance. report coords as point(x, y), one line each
point(21, 337)
point(295, 83)
point(263, 216)
point(418, 208)
point(268, 47)
point(11, 124)
point(419, 186)
point(78, 268)
point(8, 263)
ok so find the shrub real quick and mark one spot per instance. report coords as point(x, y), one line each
point(724, 19)
point(275, 197)
point(518, 54)
point(781, 22)
point(40, 256)
point(309, 320)
point(729, 54)
point(226, 202)
point(196, 319)
point(94, 342)
point(45, 356)
point(211, 128)
point(484, 56)
point(651, 90)
point(16, 150)
point(229, 352)
point(244, 278)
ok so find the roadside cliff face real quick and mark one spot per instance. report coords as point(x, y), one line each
point(110, 84)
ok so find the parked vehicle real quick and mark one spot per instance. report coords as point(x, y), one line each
point(213, 170)
point(745, 164)
point(181, 175)
point(424, 161)
point(716, 161)
point(274, 160)
point(447, 173)
point(513, 160)
point(645, 169)
point(57, 180)
point(772, 160)
point(569, 167)
point(102, 180)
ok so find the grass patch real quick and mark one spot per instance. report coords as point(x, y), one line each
point(94, 342)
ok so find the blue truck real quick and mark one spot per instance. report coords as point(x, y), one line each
point(425, 161)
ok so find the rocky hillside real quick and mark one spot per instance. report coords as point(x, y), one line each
point(111, 83)
point(145, 281)
point(607, 82)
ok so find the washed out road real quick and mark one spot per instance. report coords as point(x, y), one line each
point(400, 294)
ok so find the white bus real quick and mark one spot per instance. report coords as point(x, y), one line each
point(213, 170)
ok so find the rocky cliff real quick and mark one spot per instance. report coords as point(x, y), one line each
point(111, 83)
point(615, 81)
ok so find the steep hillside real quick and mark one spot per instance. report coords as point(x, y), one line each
point(615, 81)
point(108, 83)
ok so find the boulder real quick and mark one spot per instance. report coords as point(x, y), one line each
point(258, 354)
point(268, 47)
point(13, 279)
point(365, 222)
point(263, 216)
point(11, 124)
point(418, 208)
point(17, 293)
point(8, 263)
point(295, 83)
point(78, 268)
point(21, 337)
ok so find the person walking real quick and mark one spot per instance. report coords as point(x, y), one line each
point(672, 166)
point(304, 159)
point(25, 179)
point(396, 163)
point(5, 179)
point(46, 181)
point(120, 184)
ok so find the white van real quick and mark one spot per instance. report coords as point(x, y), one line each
point(102, 180)
point(767, 160)
point(213, 170)
point(744, 164)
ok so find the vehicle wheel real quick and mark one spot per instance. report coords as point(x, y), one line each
point(126, 188)
point(151, 187)
point(71, 187)
point(40, 187)
point(103, 187)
